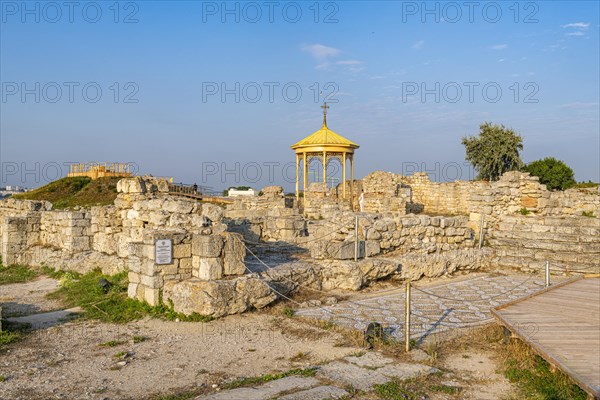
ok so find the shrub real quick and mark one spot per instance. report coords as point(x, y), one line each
point(553, 173)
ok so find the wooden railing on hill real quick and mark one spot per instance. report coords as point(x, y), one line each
point(200, 193)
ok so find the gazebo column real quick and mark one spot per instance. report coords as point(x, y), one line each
point(352, 181)
point(305, 175)
point(297, 176)
point(344, 175)
point(325, 168)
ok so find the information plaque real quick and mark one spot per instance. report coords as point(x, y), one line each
point(163, 250)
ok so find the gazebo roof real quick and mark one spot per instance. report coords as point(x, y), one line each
point(324, 138)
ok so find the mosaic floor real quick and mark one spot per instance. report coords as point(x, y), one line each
point(436, 309)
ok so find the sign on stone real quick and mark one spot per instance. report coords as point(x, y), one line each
point(163, 251)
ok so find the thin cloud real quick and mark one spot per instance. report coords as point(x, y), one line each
point(499, 47)
point(351, 65)
point(578, 25)
point(419, 44)
point(576, 28)
point(320, 51)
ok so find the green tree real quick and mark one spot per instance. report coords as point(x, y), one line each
point(494, 151)
point(553, 173)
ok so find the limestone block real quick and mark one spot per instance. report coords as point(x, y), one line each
point(131, 185)
point(207, 245)
point(158, 217)
point(529, 202)
point(133, 277)
point(104, 243)
point(234, 253)
point(153, 282)
point(180, 220)
point(154, 204)
point(132, 214)
point(182, 250)
point(185, 264)
point(372, 248)
point(152, 296)
point(341, 250)
point(207, 268)
point(178, 206)
point(219, 298)
point(170, 269)
point(78, 244)
point(149, 267)
point(132, 290)
point(212, 212)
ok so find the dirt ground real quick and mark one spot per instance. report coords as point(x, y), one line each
point(28, 298)
point(150, 358)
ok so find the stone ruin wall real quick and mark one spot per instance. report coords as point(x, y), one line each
point(208, 274)
point(513, 192)
point(568, 243)
point(384, 234)
point(270, 217)
point(565, 239)
point(321, 202)
point(121, 237)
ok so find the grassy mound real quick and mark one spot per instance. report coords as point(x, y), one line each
point(72, 192)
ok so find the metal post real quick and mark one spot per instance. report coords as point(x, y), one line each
point(481, 232)
point(356, 238)
point(407, 319)
point(547, 273)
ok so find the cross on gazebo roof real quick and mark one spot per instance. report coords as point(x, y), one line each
point(324, 107)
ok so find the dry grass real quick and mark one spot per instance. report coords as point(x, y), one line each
point(72, 192)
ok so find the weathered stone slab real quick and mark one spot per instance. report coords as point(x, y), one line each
point(370, 360)
point(266, 391)
point(318, 393)
point(365, 379)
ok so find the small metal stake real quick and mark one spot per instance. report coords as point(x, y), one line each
point(547, 273)
point(407, 319)
point(481, 232)
point(356, 238)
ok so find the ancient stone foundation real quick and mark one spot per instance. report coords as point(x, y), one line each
point(410, 228)
point(123, 236)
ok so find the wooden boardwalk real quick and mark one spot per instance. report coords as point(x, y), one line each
point(562, 324)
point(206, 199)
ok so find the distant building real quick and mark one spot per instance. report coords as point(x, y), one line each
point(236, 192)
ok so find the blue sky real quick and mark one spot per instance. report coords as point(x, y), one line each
point(410, 79)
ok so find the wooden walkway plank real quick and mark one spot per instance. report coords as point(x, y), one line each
point(562, 324)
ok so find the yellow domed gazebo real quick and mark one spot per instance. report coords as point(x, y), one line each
point(325, 145)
